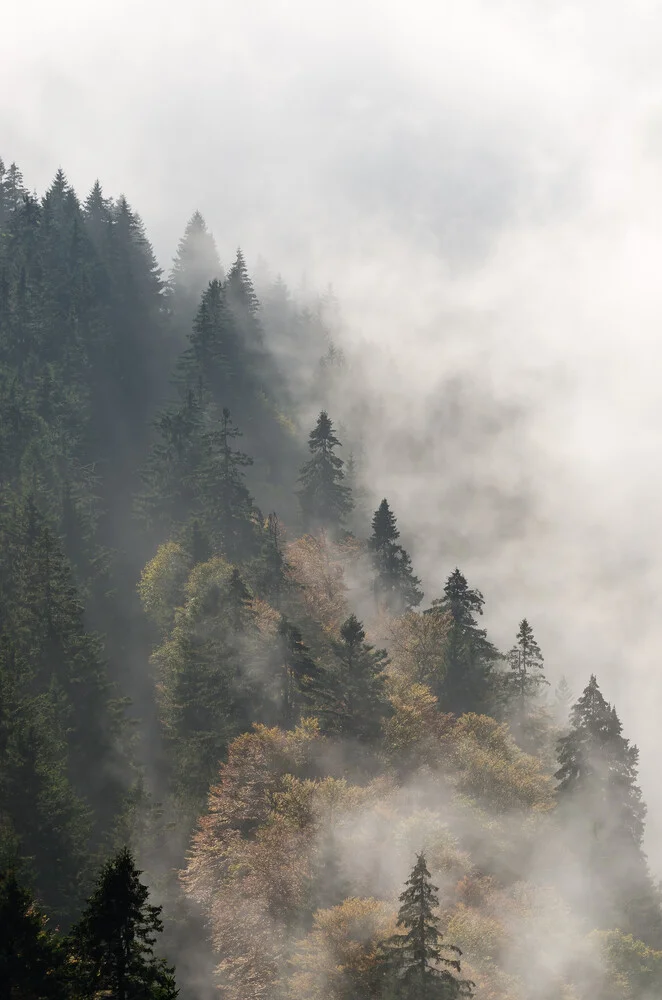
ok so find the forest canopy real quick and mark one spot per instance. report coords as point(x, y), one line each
point(243, 752)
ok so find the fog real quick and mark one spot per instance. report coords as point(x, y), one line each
point(482, 185)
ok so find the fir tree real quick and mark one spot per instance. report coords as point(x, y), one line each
point(465, 684)
point(114, 940)
point(226, 502)
point(562, 701)
point(325, 499)
point(299, 683)
point(32, 961)
point(395, 583)
point(597, 785)
point(194, 267)
point(361, 701)
point(525, 676)
point(414, 961)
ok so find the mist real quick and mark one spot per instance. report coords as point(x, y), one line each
point(481, 186)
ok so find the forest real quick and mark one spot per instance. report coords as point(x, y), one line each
point(243, 755)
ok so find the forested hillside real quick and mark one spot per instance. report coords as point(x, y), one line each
point(242, 753)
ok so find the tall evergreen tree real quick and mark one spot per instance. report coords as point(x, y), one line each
point(361, 701)
point(32, 961)
point(395, 583)
point(325, 499)
point(415, 964)
point(524, 678)
point(465, 684)
point(194, 267)
point(598, 792)
point(299, 684)
point(226, 501)
point(114, 940)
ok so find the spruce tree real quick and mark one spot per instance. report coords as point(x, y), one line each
point(114, 939)
point(195, 266)
point(226, 501)
point(299, 684)
point(325, 499)
point(361, 703)
point(562, 701)
point(415, 964)
point(395, 583)
point(32, 960)
point(465, 682)
point(525, 676)
point(598, 794)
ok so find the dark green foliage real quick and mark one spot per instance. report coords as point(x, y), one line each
point(114, 939)
point(465, 685)
point(32, 960)
point(325, 499)
point(395, 583)
point(299, 686)
point(414, 962)
point(597, 790)
point(361, 703)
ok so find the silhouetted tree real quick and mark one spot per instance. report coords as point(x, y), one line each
point(325, 499)
point(114, 940)
point(395, 583)
point(464, 684)
point(414, 961)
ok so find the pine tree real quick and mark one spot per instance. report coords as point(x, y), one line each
point(195, 266)
point(212, 360)
point(114, 940)
point(325, 499)
point(299, 683)
point(32, 961)
point(525, 676)
point(226, 502)
point(414, 961)
point(271, 568)
point(562, 701)
point(466, 683)
point(395, 583)
point(597, 786)
point(361, 701)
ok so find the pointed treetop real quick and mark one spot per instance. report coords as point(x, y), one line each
point(240, 286)
point(384, 526)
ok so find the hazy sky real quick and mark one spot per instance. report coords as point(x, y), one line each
point(482, 182)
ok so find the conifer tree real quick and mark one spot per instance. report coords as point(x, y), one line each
point(525, 676)
point(271, 565)
point(195, 266)
point(325, 499)
point(414, 961)
point(562, 701)
point(465, 684)
point(597, 786)
point(226, 501)
point(114, 940)
point(360, 692)
point(300, 684)
point(395, 583)
point(32, 961)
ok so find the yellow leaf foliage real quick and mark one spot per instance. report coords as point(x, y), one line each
point(341, 951)
point(417, 643)
point(491, 767)
point(162, 584)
